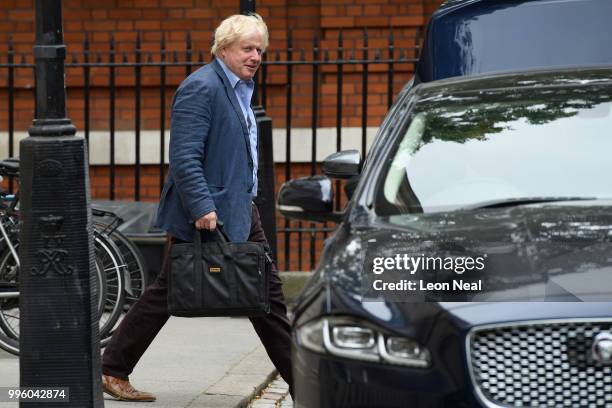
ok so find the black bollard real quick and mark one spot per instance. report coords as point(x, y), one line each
point(59, 337)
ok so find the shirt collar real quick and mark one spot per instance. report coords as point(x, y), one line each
point(233, 78)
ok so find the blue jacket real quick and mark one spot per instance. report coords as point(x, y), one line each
point(210, 163)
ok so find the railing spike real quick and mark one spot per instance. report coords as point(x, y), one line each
point(417, 42)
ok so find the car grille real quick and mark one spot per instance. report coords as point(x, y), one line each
point(540, 364)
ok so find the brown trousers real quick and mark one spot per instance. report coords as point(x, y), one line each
point(149, 314)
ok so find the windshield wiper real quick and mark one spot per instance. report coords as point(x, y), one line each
point(513, 202)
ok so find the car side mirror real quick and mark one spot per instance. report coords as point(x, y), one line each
point(342, 165)
point(308, 198)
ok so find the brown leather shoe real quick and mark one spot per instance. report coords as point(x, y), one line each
point(123, 390)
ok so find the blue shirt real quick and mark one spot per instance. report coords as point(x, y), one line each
point(244, 93)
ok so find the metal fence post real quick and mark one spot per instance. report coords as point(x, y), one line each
point(265, 199)
point(58, 297)
point(11, 102)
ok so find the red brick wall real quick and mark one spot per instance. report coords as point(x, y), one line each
point(173, 19)
point(124, 19)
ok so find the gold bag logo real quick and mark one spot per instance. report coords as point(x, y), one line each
point(214, 269)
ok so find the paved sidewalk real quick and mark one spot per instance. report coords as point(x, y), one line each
point(195, 363)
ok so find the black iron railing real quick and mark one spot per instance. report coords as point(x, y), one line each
point(157, 63)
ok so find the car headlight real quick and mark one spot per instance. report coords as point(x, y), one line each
point(358, 340)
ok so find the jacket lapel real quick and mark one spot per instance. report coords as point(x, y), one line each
point(235, 104)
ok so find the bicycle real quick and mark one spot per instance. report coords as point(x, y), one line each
point(109, 288)
point(112, 285)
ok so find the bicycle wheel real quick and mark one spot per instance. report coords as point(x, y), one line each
point(9, 297)
point(136, 274)
point(9, 304)
point(100, 286)
point(135, 268)
point(109, 280)
point(113, 269)
point(9, 344)
point(9, 300)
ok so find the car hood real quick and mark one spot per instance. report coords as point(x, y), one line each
point(481, 313)
point(559, 252)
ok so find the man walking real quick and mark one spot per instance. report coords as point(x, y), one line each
point(213, 176)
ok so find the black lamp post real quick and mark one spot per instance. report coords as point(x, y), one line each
point(58, 314)
point(247, 6)
point(265, 174)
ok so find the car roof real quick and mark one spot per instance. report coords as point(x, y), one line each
point(449, 4)
point(471, 37)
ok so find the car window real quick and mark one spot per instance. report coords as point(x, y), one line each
point(459, 151)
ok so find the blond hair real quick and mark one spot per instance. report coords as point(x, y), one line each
point(236, 27)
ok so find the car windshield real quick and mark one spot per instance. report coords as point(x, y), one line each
point(473, 149)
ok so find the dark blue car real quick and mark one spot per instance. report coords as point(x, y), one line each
point(505, 164)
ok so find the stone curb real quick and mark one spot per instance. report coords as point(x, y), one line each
point(241, 383)
point(257, 390)
point(274, 395)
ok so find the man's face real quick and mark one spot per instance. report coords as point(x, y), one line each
point(244, 56)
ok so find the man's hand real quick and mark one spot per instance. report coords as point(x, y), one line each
point(207, 221)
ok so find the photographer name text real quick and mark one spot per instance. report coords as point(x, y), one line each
point(421, 285)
